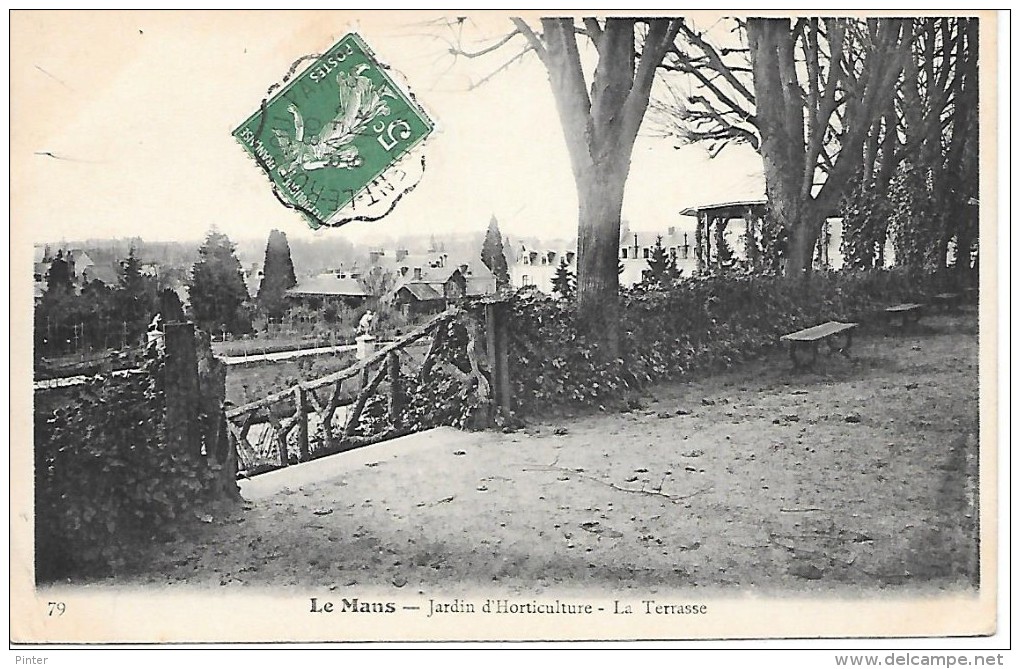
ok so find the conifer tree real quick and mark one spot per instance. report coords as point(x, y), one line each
point(219, 298)
point(493, 256)
point(277, 276)
point(662, 267)
point(134, 297)
point(564, 282)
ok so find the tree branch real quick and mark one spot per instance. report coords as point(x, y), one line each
point(661, 35)
point(456, 51)
point(534, 40)
point(716, 62)
point(593, 30)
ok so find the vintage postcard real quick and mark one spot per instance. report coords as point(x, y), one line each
point(481, 326)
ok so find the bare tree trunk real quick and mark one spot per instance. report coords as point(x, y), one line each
point(598, 282)
point(781, 123)
point(792, 141)
point(600, 123)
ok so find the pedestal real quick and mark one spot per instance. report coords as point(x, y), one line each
point(366, 346)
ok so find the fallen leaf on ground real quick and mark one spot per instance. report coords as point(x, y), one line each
point(806, 570)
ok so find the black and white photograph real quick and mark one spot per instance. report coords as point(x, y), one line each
point(485, 326)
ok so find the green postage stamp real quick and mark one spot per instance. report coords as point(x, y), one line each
point(338, 140)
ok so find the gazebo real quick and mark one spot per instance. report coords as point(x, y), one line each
point(720, 214)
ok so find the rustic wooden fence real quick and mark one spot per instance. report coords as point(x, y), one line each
point(322, 416)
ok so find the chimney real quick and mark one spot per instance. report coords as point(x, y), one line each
point(464, 269)
point(417, 273)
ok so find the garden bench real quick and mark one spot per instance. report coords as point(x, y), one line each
point(947, 301)
point(808, 338)
point(908, 313)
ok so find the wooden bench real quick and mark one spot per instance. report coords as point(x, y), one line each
point(909, 313)
point(947, 301)
point(808, 339)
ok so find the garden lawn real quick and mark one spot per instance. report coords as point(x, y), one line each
point(858, 476)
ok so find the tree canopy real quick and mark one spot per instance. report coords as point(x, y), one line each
point(219, 298)
point(804, 92)
point(277, 276)
point(600, 114)
point(494, 256)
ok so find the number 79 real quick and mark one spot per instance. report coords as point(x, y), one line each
point(56, 608)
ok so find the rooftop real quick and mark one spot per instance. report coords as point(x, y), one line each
point(328, 284)
point(421, 291)
point(733, 209)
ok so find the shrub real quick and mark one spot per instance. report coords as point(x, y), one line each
point(695, 325)
point(105, 478)
point(447, 397)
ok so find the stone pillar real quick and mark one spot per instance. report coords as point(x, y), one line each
point(366, 346)
point(395, 399)
point(497, 340)
point(183, 431)
point(212, 376)
point(699, 244)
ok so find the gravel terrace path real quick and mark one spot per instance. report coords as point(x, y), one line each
point(857, 477)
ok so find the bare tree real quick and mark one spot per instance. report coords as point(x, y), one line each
point(937, 108)
point(803, 92)
point(600, 119)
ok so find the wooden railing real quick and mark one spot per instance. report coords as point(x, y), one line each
point(301, 423)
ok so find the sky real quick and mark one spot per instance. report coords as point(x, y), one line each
point(121, 126)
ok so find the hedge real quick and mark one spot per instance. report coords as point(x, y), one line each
point(105, 478)
point(698, 324)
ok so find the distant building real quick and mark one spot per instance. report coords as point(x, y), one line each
point(418, 297)
point(252, 275)
point(428, 282)
point(636, 248)
point(337, 288)
point(81, 267)
point(537, 267)
point(107, 273)
point(78, 262)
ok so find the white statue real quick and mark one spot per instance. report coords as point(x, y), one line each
point(366, 322)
